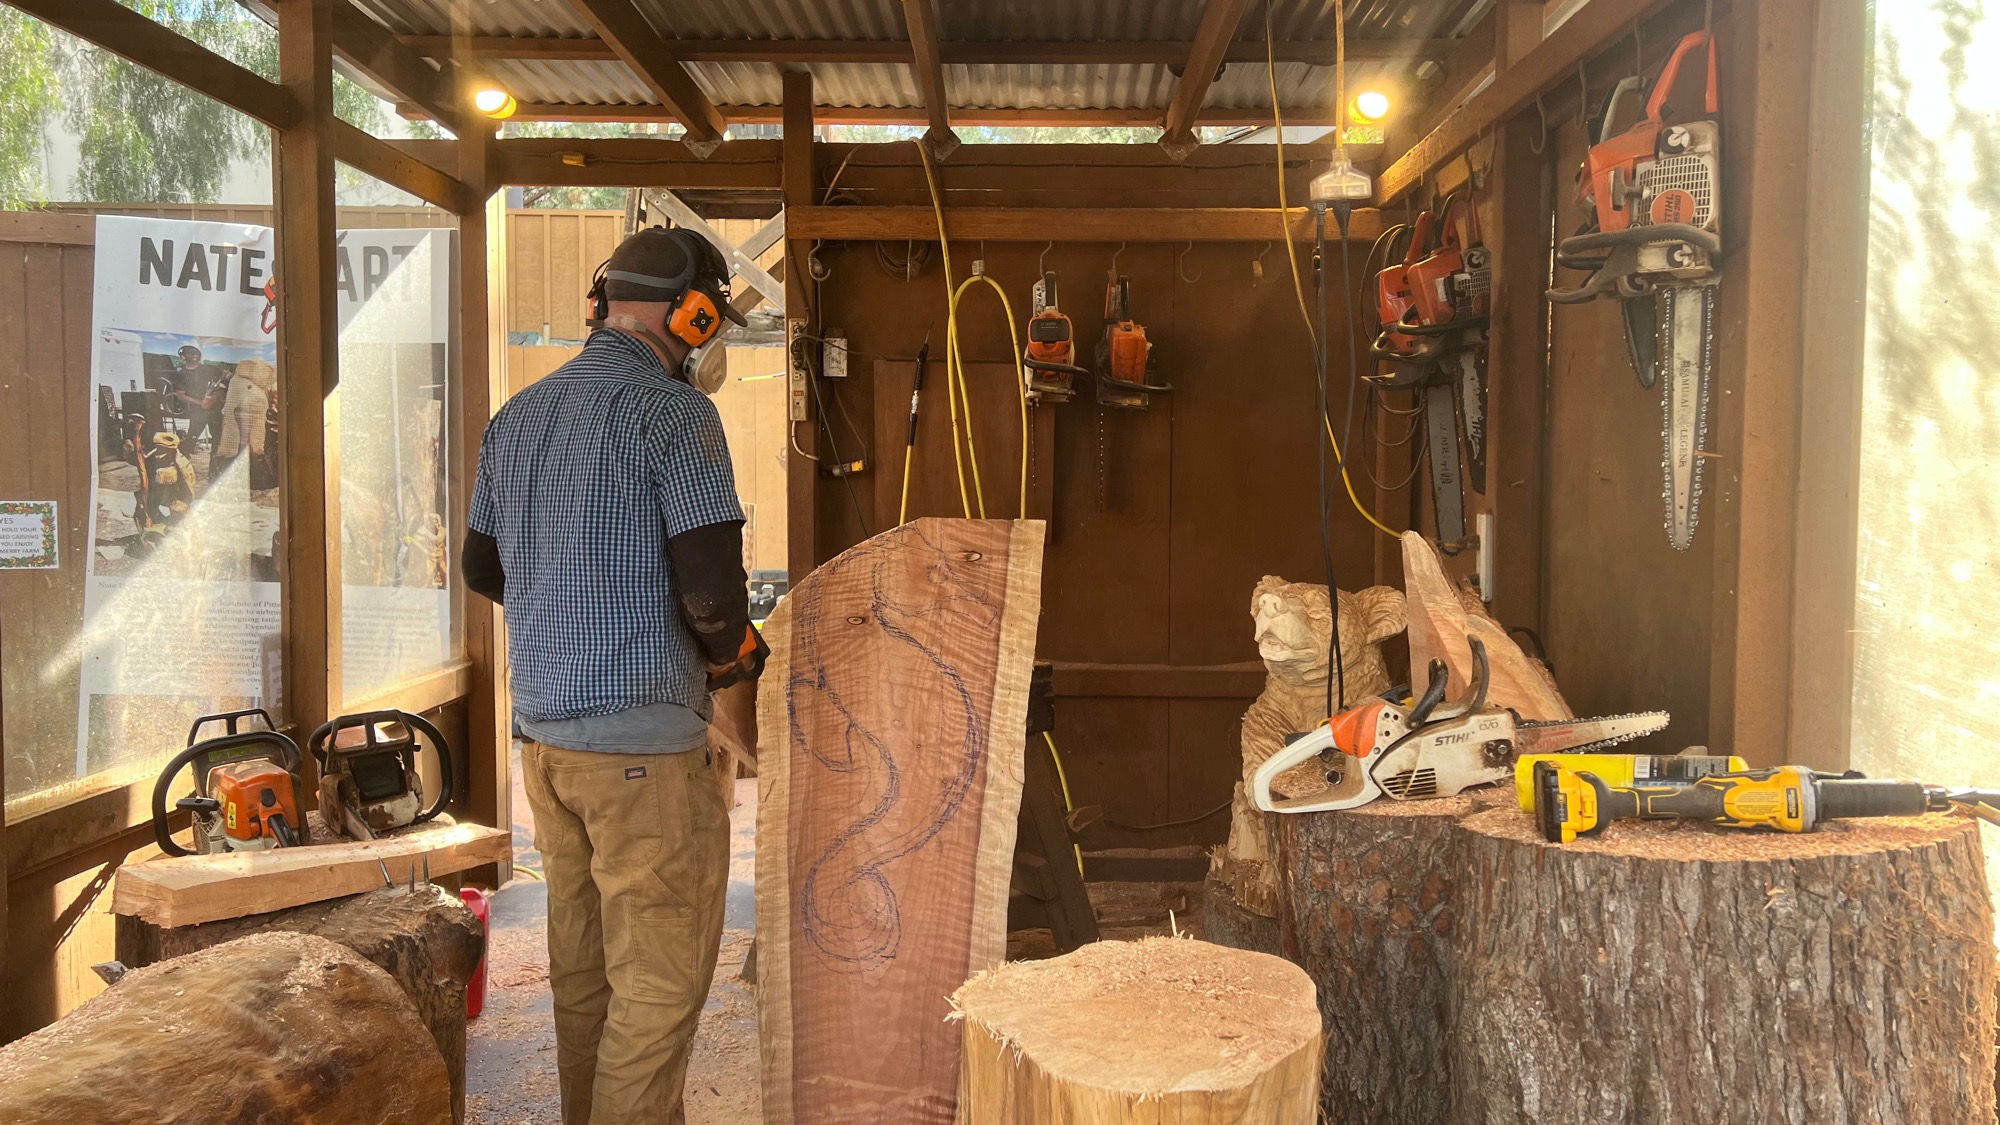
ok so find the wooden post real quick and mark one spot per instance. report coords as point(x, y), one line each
point(1668, 971)
point(480, 390)
point(308, 369)
point(802, 485)
point(1163, 1030)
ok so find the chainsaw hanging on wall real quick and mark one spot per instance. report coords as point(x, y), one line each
point(1050, 356)
point(1123, 370)
point(1652, 239)
point(1433, 311)
point(246, 788)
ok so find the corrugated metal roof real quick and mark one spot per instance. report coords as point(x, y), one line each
point(984, 86)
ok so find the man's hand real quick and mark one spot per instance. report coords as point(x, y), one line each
point(748, 665)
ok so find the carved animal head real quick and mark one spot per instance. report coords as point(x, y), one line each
point(1295, 628)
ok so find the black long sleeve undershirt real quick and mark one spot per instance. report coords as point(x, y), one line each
point(714, 591)
point(480, 560)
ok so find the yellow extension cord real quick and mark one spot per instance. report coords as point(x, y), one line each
point(1069, 806)
point(1285, 230)
point(955, 388)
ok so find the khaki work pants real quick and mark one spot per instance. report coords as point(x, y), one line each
point(636, 850)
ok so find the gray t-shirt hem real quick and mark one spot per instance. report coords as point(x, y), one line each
point(655, 728)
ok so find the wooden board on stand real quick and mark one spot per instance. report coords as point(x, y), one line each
point(892, 721)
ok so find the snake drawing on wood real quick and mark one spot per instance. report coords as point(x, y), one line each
point(848, 907)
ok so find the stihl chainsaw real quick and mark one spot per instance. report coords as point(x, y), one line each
point(1430, 748)
point(1653, 240)
point(1433, 312)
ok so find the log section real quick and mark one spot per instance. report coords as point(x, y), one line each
point(1671, 972)
point(273, 1027)
point(426, 940)
point(1167, 1031)
point(1367, 898)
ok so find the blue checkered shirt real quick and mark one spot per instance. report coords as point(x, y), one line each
point(583, 478)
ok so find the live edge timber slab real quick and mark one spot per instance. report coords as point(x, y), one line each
point(185, 890)
point(893, 714)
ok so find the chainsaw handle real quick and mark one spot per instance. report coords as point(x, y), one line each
point(447, 784)
point(229, 718)
point(162, 831)
point(1420, 238)
point(1462, 205)
point(1656, 104)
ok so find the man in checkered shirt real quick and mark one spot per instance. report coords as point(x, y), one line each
point(604, 517)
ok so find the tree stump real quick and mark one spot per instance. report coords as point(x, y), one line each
point(1164, 1030)
point(1368, 913)
point(1673, 972)
point(272, 1027)
point(427, 941)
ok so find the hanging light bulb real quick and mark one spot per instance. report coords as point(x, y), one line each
point(495, 103)
point(1369, 107)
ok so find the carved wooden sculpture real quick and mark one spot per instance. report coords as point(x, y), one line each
point(1294, 628)
point(892, 720)
point(1442, 615)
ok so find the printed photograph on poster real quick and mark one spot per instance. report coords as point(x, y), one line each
point(181, 418)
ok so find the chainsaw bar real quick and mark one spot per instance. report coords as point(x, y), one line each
point(1686, 341)
point(1447, 489)
point(1556, 736)
point(1472, 416)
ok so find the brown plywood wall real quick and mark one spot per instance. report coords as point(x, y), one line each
point(1203, 494)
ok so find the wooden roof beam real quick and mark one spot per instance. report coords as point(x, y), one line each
point(1138, 117)
point(920, 17)
point(126, 33)
point(399, 168)
point(1076, 224)
point(1204, 61)
point(371, 49)
point(1010, 52)
point(1513, 89)
point(638, 46)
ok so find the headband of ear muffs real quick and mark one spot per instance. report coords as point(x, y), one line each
point(697, 297)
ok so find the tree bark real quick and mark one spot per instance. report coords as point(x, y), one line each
point(1164, 1030)
point(427, 941)
point(1671, 972)
point(272, 1027)
point(1225, 921)
point(1367, 898)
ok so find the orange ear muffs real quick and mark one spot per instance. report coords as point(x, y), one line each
point(695, 319)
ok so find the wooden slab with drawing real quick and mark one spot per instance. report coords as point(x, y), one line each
point(184, 890)
point(893, 714)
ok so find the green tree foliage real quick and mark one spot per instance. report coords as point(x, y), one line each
point(27, 95)
point(141, 138)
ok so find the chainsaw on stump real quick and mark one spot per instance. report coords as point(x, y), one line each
point(1430, 748)
point(1653, 240)
point(1433, 308)
point(246, 789)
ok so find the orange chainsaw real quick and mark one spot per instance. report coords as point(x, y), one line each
point(1653, 241)
point(1050, 356)
point(246, 789)
point(1430, 748)
point(1124, 355)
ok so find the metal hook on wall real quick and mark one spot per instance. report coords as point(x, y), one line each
point(1540, 144)
point(1114, 259)
point(1042, 263)
point(1179, 269)
point(1257, 263)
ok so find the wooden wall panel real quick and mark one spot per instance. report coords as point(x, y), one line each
point(1204, 493)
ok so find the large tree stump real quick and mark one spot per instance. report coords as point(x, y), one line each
point(272, 1027)
point(1367, 897)
point(426, 940)
point(1672, 972)
point(1164, 1030)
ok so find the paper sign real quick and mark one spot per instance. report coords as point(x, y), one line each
point(28, 535)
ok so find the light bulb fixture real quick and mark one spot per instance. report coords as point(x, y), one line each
point(1369, 107)
point(495, 103)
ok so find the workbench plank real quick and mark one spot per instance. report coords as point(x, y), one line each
point(185, 890)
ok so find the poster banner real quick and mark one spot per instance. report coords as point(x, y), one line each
point(182, 598)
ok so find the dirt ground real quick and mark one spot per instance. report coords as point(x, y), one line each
point(510, 1051)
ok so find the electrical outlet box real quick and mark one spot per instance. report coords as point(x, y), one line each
point(795, 366)
point(836, 353)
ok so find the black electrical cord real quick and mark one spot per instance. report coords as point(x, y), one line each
point(833, 458)
point(1336, 684)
